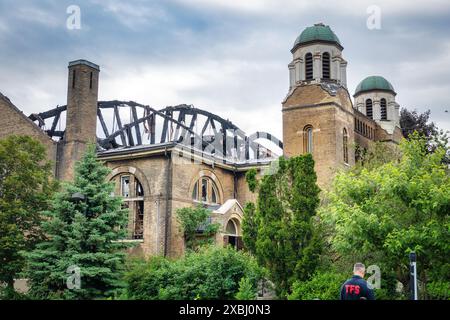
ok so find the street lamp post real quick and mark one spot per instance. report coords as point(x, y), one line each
point(78, 197)
point(413, 275)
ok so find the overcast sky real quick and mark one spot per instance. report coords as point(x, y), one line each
point(229, 57)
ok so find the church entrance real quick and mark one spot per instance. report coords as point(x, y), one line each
point(232, 236)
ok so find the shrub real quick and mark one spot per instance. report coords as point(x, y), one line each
point(192, 219)
point(246, 291)
point(323, 286)
point(438, 290)
point(210, 273)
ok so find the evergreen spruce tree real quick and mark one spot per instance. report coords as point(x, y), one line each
point(281, 229)
point(81, 238)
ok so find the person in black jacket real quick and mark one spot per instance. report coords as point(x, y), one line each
point(356, 288)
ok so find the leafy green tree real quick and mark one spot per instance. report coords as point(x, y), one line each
point(209, 273)
point(191, 221)
point(286, 236)
point(81, 234)
point(250, 226)
point(376, 154)
point(25, 187)
point(378, 215)
point(412, 121)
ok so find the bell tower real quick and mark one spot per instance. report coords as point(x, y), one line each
point(81, 121)
point(317, 111)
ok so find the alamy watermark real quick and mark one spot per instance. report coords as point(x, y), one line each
point(374, 20)
point(73, 281)
point(73, 21)
point(374, 280)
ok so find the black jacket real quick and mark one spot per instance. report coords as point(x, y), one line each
point(356, 288)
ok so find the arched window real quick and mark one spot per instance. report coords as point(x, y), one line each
point(231, 228)
point(383, 109)
point(308, 139)
point(205, 191)
point(308, 66)
point(133, 199)
point(369, 110)
point(345, 145)
point(326, 65)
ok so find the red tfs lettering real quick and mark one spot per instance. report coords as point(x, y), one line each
point(352, 289)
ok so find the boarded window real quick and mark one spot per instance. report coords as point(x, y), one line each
point(74, 74)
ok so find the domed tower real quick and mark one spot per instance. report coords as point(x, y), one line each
point(318, 115)
point(317, 56)
point(375, 98)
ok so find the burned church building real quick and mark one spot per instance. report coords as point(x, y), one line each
point(163, 159)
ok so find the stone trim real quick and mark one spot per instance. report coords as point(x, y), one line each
point(323, 104)
point(134, 171)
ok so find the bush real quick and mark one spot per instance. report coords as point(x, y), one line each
point(438, 290)
point(192, 219)
point(210, 273)
point(323, 286)
point(247, 290)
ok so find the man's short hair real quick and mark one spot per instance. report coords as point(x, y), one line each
point(359, 267)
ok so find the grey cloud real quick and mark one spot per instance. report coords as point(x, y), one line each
point(229, 57)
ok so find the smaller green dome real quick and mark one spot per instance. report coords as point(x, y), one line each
point(374, 83)
point(318, 32)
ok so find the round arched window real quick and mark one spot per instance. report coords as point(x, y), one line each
point(130, 188)
point(308, 139)
point(205, 191)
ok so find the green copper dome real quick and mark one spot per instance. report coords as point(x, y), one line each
point(374, 83)
point(318, 32)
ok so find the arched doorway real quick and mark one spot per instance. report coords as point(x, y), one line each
point(233, 234)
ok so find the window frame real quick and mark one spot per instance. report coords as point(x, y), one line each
point(122, 178)
point(308, 139)
point(309, 67)
point(345, 145)
point(383, 109)
point(326, 58)
point(211, 188)
point(135, 205)
point(369, 104)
